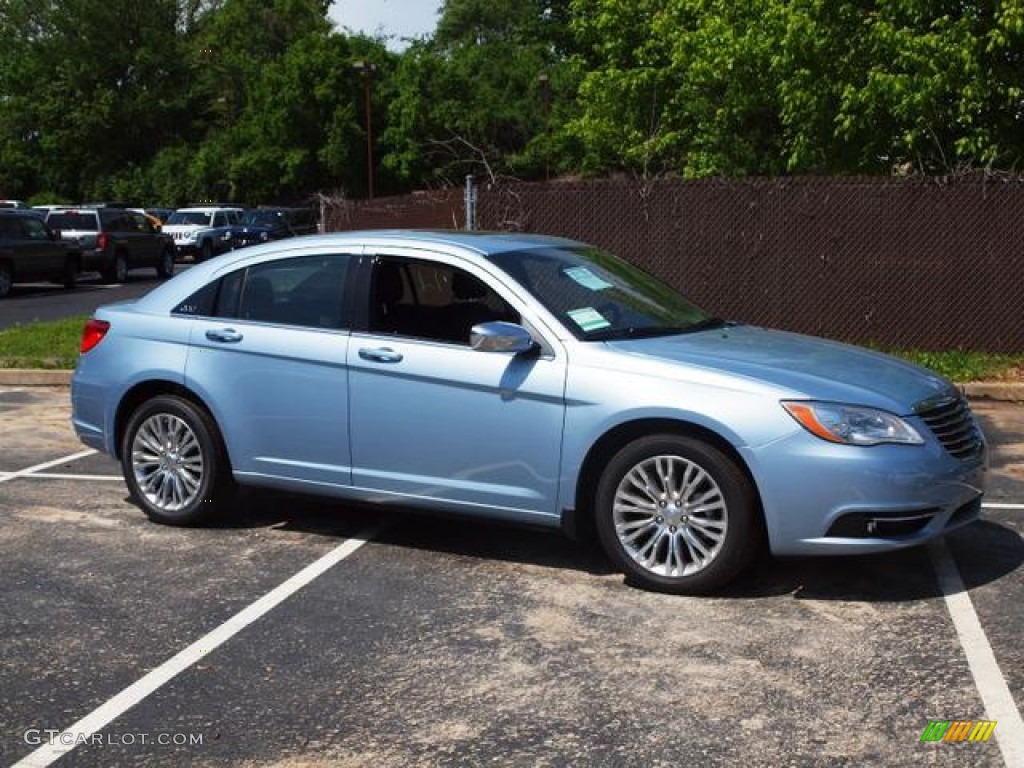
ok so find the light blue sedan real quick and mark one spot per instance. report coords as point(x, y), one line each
point(525, 378)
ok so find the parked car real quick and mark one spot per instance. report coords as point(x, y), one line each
point(30, 251)
point(114, 240)
point(203, 231)
point(264, 224)
point(522, 378)
point(18, 204)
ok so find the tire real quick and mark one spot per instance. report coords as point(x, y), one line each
point(676, 515)
point(118, 271)
point(69, 277)
point(174, 462)
point(6, 279)
point(165, 268)
point(206, 251)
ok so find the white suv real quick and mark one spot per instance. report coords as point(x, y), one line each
point(203, 231)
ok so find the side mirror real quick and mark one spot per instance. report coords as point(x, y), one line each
point(500, 336)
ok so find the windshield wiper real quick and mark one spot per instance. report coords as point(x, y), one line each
point(636, 332)
point(707, 324)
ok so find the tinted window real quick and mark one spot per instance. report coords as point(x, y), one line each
point(428, 300)
point(201, 302)
point(78, 220)
point(35, 229)
point(300, 291)
point(10, 228)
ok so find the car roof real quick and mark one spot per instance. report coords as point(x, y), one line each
point(482, 242)
point(207, 208)
point(468, 244)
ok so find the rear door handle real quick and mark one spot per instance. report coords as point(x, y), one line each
point(227, 335)
point(381, 355)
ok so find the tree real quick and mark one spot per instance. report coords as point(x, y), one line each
point(471, 98)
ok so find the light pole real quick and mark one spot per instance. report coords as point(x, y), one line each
point(366, 69)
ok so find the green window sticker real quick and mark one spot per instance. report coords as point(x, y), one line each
point(587, 279)
point(588, 319)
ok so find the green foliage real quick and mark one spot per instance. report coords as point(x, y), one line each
point(52, 344)
point(171, 101)
point(471, 99)
point(964, 365)
point(704, 87)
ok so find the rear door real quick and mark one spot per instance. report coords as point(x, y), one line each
point(272, 364)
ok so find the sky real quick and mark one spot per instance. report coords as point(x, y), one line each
point(392, 18)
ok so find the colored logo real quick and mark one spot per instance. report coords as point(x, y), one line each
point(958, 730)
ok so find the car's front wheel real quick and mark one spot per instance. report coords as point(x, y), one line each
point(676, 514)
point(174, 463)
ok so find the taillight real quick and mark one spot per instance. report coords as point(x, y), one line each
point(93, 334)
point(101, 241)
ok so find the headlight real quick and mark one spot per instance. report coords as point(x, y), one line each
point(851, 424)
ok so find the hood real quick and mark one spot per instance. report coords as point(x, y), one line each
point(805, 366)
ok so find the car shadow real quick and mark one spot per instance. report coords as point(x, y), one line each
point(984, 552)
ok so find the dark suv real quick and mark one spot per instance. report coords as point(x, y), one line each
point(114, 240)
point(30, 250)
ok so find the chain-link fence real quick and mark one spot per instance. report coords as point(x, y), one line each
point(906, 263)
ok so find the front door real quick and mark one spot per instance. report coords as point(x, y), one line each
point(433, 419)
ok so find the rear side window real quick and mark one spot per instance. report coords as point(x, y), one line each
point(304, 291)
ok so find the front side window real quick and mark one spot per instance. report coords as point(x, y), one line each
point(600, 297)
point(35, 229)
point(430, 300)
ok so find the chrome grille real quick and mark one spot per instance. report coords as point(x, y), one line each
point(951, 422)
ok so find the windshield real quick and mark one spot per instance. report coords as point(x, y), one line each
point(189, 218)
point(598, 296)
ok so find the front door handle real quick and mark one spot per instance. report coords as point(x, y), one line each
point(381, 355)
point(228, 335)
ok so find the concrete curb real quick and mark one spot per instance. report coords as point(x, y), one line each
point(1003, 391)
point(24, 377)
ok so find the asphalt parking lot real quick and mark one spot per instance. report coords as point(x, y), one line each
point(448, 642)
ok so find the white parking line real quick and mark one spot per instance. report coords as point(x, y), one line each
point(1001, 505)
point(106, 713)
point(46, 465)
point(988, 678)
point(63, 476)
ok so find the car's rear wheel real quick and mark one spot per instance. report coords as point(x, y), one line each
point(165, 268)
point(117, 272)
point(6, 279)
point(677, 515)
point(174, 462)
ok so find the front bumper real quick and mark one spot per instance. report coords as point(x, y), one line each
point(821, 498)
